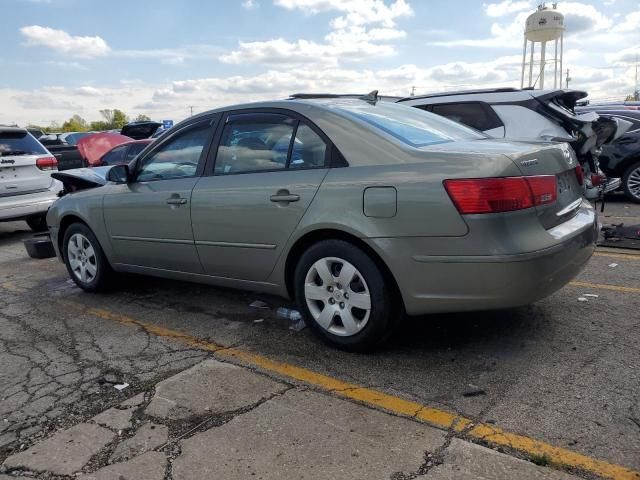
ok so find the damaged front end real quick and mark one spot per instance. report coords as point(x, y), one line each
point(81, 179)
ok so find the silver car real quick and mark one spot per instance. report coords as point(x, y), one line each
point(359, 210)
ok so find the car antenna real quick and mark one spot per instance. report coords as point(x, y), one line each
point(371, 97)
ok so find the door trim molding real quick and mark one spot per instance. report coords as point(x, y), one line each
point(152, 239)
point(260, 246)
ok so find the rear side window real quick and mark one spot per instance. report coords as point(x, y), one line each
point(309, 150)
point(253, 143)
point(19, 142)
point(473, 114)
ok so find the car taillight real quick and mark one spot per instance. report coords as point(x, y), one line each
point(580, 174)
point(47, 163)
point(493, 195)
point(596, 180)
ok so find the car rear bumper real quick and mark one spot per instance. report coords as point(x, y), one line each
point(448, 283)
point(19, 207)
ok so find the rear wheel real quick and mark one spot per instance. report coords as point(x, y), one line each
point(85, 260)
point(37, 223)
point(631, 182)
point(343, 295)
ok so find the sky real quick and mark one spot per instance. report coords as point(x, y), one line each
point(168, 58)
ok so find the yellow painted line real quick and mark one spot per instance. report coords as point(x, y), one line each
point(487, 433)
point(12, 287)
point(615, 288)
point(627, 256)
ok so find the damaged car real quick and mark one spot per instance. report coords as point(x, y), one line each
point(357, 209)
point(534, 115)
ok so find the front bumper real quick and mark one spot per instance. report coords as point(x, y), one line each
point(442, 283)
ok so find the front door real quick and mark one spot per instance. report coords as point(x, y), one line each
point(149, 219)
point(267, 171)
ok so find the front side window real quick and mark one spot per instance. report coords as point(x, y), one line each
point(253, 143)
point(178, 158)
point(308, 150)
point(409, 125)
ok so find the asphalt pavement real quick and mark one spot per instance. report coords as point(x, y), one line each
point(564, 371)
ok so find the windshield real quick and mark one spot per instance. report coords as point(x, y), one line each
point(19, 142)
point(412, 126)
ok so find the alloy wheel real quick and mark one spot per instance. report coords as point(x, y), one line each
point(633, 183)
point(82, 258)
point(337, 296)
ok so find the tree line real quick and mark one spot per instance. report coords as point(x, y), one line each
point(111, 120)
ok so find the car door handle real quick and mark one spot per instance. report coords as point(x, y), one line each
point(285, 197)
point(176, 201)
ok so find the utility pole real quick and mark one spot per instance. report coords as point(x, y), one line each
point(635, 85)
point(568, 78)
point(413, 88)
point(190, 107)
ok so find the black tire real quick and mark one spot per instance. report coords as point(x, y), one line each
point(101, 279)
point(380, 321)
point(635, 170)
point(37, 223)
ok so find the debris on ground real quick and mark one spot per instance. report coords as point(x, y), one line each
point(590, 295)
point(297, 326)
point(473, 391)
point(582, 299)
point(259, 304)
point(121, 386)
point(258, 320)
point(613, 265)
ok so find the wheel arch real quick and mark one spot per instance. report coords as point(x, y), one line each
point(65, 223)
point(315, 236)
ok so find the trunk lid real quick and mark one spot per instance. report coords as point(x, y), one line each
point(558, 160)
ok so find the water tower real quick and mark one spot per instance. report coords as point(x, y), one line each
point(544, 25)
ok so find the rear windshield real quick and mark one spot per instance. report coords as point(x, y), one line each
point(19, 143)
point(412, 126)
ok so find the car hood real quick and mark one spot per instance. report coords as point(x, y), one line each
point(81, 178)
point(93, 147)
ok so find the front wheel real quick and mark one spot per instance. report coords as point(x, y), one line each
point(631, 182)
point(85, 260)
point(343, 295)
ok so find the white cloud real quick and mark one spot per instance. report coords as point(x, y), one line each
point(250, 4)
point(61, 41)
point(363, 30)
point(630, 23)
point(505, 7)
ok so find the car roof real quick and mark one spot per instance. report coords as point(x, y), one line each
point(502, 92)
point(12, 129)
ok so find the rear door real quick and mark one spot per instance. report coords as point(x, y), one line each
point(19, 173)
point(478, 115)
point(268, 167)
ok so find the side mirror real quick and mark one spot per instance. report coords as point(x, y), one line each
point(119, 174)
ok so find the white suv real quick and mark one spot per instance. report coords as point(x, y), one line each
point(26, 187)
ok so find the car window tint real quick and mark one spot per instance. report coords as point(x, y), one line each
point(115, 156)
point(178, 158)
point(473, 114)
point(134, 149)
point(254, 146)
point(19, 142)
point(308, 149)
